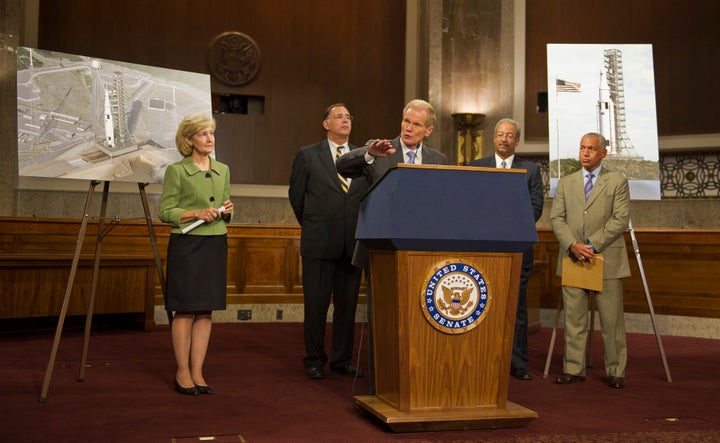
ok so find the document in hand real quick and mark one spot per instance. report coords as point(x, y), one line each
point(585, 276)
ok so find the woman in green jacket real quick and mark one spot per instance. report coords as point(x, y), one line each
point(196, 202)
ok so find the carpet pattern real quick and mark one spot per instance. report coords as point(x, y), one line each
point(262, 394)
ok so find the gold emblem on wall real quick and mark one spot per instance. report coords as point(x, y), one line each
point(468, 138)
point(234, 58)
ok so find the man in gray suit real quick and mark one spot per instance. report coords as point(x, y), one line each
point(589, 215)
point(326, 205)
point(377, 156)
point(506, 138)
point(374, 159)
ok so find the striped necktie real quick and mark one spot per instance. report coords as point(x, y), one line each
point(588, 185)
point(343, 181)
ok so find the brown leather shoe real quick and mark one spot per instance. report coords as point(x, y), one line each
point(616, 382)
point(567, 379)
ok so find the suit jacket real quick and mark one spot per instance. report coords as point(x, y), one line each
point(353, 164)
point(604, 217)
point(327, 215)
point(186, 187)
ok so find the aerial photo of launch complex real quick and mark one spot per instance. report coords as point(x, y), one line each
point(88, 118)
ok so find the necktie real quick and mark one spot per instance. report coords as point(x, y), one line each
point(503, 165)
point(588, 185)
point(343, 180)
point(411, 157)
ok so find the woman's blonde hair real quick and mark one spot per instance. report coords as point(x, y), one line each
point(190, 126)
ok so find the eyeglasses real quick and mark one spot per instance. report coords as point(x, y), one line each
point(340, 116)
point(509, 135)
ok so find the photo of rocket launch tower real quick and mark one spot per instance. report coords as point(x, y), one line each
point(608, 90)
point(611, 107)
point(94, 119)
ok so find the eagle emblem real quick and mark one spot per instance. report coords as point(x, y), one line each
point(456, 301)
point(455, 297)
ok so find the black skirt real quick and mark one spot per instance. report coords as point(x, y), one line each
point(196, 273)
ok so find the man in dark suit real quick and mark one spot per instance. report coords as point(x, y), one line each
point(326, 205)
point(589, 215)
point(374, 159)
point(506, 139)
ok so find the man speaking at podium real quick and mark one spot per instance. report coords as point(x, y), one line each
point(374, 159)
point(506, 138)
point(377, 156)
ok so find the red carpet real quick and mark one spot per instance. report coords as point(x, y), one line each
point(263, 395)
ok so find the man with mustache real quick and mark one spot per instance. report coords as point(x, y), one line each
point(506, 138)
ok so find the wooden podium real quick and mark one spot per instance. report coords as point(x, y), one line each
point(445, 256)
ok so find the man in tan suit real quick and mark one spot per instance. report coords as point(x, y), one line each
point(589, 215)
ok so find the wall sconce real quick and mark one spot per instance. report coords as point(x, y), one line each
point(469, 140)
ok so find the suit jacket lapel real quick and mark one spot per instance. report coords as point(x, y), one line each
point(577, 187)
point(398, 156)
point(328, 162)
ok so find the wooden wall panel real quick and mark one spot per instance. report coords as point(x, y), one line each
point(685, 53)
point(680, 268)
point(264, 267)
point(313, 54)
point(34, 285)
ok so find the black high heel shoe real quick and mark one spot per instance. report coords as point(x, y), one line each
point(186, 391)
point(204, 389)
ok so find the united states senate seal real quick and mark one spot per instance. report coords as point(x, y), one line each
point(456, 297)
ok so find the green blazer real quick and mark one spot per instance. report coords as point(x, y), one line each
point(187, 188)
point(604, 216)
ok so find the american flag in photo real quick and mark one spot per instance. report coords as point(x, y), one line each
point(566, 86)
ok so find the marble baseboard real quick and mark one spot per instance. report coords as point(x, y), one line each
point(261, 313)
point(638, 323)
point(674, 325)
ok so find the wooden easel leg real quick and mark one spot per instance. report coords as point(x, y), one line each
point(591, 332)
point(552, 339)
point(93, 287)
point(68, 291)
point(649, 302)
point(153, 241)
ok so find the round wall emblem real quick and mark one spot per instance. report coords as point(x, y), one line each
point(234, 58)
point(456, 297)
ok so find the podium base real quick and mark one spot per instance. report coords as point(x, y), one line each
point(513, 416)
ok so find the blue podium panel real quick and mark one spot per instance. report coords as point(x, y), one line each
point(448, 208)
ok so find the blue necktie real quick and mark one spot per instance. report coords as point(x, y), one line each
point(588, 186)
point(411, 157)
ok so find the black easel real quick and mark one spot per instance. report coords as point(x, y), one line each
point(102, 232)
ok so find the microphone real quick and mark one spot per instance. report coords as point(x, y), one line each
point(207, 175)
point(212, 199)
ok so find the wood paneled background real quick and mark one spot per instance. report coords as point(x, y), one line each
point(314, 53)
point(686, 55)
point(319, 52)
point(264, 267)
